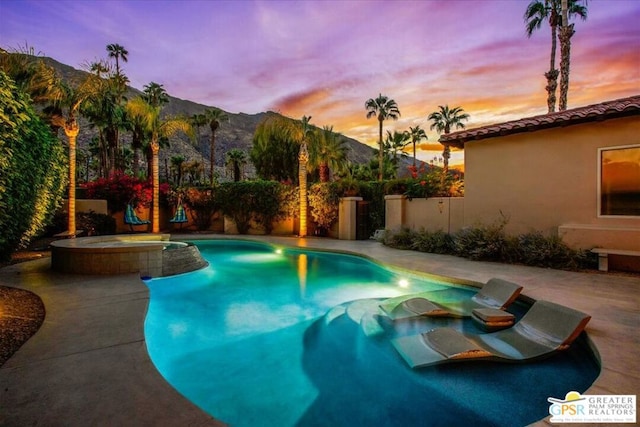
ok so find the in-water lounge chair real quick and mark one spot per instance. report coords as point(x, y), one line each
point(545, 329)
point(496, 293)
point(132, 219)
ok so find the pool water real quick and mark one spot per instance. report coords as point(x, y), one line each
point(290, 337)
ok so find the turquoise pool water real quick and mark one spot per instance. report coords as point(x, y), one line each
point(291, 338)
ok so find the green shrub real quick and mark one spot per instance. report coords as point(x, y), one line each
point(437, 242)
point(402, 239)
point(246, 200)
point(483, 243)
point(490, 243)
point(546, 251)
point(267, 203)
point(33, 170)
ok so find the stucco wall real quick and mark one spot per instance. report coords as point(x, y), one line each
point(434, 214)
point(545, 179)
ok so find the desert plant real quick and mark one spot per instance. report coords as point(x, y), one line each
point(546, 251)
point(483, 242)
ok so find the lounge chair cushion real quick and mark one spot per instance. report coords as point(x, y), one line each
point(496, 293)
point(545, 329)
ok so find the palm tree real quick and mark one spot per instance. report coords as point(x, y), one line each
point(67, 103)
point(394, 144)
point(303, 158)
point(417, 134)
point(155, 94)
point(327, 151)
point(276, 148)
point(214, 117)
point(158, 128)
point(33, 77)
point(442, 121)
point(118, 52)
point(198, 120)
point(100, 68)
point(177, 165)
point(568, 9)
point(538, 12)
point(235, 161)
point(383, 108)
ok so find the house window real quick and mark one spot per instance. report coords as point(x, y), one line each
point(619, 179)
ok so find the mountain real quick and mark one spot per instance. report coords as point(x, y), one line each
point(237, 133)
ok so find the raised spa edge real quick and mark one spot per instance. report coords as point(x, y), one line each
point(150, 255)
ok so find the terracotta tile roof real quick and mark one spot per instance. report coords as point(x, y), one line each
point(591, 113)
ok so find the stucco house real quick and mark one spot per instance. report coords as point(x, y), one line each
point(575, 173)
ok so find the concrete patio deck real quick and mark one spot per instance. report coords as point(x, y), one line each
point(88, 364)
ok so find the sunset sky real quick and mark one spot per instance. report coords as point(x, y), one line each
point(326, 58)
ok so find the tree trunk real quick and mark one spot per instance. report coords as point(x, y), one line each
point(71, 129)
point(303, 158)
point(155, 221)
point(565, 59)
point(414, 155)
point(236, 171)
point(446, 154)
point(324, 172)
point(380, 154)
point(552, 84)
point(552, 74)
point(136, 161)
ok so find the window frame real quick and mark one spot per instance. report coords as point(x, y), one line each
point(601, 150)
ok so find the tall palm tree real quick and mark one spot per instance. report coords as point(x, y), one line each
point(442, 121)
point(118, 52)
point(416, 134)
point(198, 121)
point(303, 158)
point(538, 12)
point(568, 8)
point(177, 165)
point(235, 161)
point(158, 128)
point(327, 151)
point(382, 108)
point(214, 117)
point(67, 104)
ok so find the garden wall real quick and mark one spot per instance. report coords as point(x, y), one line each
point(433, 214)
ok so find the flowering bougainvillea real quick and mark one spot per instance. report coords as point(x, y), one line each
point(119, 189)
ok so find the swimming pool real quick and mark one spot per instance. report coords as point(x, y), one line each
point(272, 337)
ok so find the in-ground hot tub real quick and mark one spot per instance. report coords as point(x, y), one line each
point(150, 255)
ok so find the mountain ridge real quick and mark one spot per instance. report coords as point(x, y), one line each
point(237, 133)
